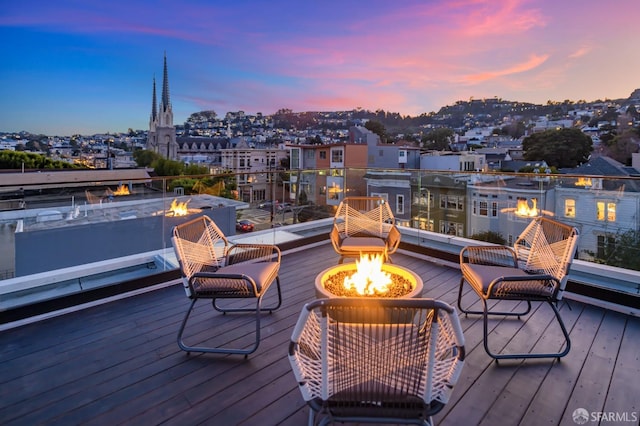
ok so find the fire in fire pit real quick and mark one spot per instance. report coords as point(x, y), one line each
point(178, 208)
point(368, 277)
point(122, 190)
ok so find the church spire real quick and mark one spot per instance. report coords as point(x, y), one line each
point(154, 102)
point(165, 87)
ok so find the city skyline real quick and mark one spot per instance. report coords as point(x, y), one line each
point(88, 67)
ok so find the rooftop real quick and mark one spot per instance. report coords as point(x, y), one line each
point(118, 362)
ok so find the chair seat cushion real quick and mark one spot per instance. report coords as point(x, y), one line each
point(363, 244)
point(263, 273)
point(481, 276)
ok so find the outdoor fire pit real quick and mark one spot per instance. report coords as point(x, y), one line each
point(368, 277)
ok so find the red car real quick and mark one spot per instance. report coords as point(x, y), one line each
point(244, 226)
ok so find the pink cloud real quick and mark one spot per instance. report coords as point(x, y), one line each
point(534, 61)
point(582, 51)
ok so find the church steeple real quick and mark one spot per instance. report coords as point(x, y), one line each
point(154, 102)
point(165, 87)
point(162, 134)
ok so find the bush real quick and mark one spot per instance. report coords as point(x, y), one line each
point(490, 237)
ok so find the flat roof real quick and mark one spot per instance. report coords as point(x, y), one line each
point(53, 179)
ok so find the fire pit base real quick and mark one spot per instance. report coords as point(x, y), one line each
point(322, 292)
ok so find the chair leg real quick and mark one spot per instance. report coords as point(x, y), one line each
point(526, 355)
point(204, 349)
point(269, 309)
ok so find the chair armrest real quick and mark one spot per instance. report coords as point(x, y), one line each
point(254, 253)
point(521, 287)
point(393, 240)
point(232, 281)
point(489, 255)
point(335, 238)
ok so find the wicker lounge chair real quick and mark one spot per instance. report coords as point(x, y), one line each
point(399, 368)
point(212, 268)
point(364, 225)
point(534, 270)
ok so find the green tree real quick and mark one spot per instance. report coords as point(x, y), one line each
point(377, 128)
point(195, 169)
point(623, 252)
point(165, 167)
point(15, 160)
point(567, 147)
point(623, 145)
point(144, 157)
point(438, 139)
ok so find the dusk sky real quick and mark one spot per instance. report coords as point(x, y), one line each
point(87, 66)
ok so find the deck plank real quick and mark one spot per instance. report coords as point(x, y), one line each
point(118, 363)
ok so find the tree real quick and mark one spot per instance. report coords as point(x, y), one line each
point(438, 139)
point(165, 167)
point(196, 169)
point(560, 148)
point(377, 128)
point(144, 157)
point(622, 146)
point(16, 160)
point(623, 251)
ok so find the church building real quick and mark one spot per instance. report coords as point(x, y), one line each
point(162, 133)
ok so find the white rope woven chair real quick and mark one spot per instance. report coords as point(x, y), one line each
point(212, 268)
point(376, 360)
point(533, 270)
point(364, 225)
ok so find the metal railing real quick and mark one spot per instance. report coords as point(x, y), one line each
point(81, 233)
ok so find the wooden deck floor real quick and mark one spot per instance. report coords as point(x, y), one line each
point(119, 363)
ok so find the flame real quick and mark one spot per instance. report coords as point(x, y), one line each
point(582, 181)
point(122, 190)
point(523, 208)
point(179, 209)
point(369, 279)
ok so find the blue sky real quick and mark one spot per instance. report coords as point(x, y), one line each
point(87, 67)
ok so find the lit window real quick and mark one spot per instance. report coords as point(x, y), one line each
point(606, 211)
point(570, 208)
point(611, 212)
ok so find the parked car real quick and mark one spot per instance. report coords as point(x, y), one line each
point(265, 205)
point(244, 226)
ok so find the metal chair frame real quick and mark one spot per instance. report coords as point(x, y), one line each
point(369, 223)
point(533, 270)
point(212, 268)
point(376, 360)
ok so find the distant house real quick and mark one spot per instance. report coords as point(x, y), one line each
point(601, 203)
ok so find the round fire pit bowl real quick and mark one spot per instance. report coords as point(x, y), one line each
point(396, 272)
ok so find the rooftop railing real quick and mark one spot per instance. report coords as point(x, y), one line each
point(68, 236)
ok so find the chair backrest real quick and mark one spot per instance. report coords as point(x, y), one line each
point(92, 198)
point(364, 215)
point(377, 357)
point(199, 245)
point(547, 246)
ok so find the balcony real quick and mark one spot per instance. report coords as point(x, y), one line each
point(89, 337)
point(118, 362)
